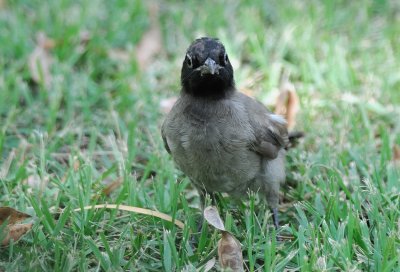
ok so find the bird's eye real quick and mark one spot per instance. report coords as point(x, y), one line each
point(224, 59)
point(189, 61)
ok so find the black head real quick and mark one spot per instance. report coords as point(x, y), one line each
point(206, 70)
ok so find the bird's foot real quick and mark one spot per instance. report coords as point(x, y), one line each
point(275, 219)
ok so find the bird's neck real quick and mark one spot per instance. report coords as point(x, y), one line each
point(209, 91)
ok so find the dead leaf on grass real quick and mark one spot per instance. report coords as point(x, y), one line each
point(111, 187)
point(229, 249)
point(209, 265)
point(230, 252)
point(40, 60)
point(396, 153)
point(288, 104)
point(211, 215)
point(151, 42)
point(13, 231)
point(76, 164)
point(12, 215)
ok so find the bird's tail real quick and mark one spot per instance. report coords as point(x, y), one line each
point(294, 137)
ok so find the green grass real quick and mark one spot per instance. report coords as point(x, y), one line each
point(99, 122)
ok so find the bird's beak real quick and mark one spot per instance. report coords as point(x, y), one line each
point(209, 67)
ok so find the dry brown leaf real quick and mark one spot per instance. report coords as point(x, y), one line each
point(76, 164)
point(229, 249)
point(396, 153)
point(112, 186)
point(288, 104)
point(167, 104)
point(40, 60)
point(135, 210)
point(13, 215)
point(151, 42)
point(15, 232)
point(211, 215)
point(209, 265)
point(230, 252)
point(280, 105)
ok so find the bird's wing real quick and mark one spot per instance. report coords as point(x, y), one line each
point(164, 137)
point(171, 120)
point(269, 129)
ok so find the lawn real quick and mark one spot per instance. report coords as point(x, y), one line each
point(86, 132)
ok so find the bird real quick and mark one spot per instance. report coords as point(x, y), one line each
point(220, 138)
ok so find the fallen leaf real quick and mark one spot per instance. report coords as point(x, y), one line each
point(280, 105)
point(13, 215)
point(288, 104)
point(40, 60)
point(209, 265)
point(76, 164)
point(396, 153)
point(150, 44)
point(230, 252)
point(167, 104)
point(229, 249)
point(112, 186)
point(135, 210)
point(211, 215)
point(15, 232)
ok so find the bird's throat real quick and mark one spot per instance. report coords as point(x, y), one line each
point(209, 88)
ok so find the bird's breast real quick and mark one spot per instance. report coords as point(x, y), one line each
point(214, 151)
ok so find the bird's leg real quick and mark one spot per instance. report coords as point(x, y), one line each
point(275, 217)
point(202, 207)
point(272, 196)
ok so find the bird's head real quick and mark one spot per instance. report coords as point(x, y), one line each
point(206, 70)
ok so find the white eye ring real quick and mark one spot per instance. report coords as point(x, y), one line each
point(189, 61)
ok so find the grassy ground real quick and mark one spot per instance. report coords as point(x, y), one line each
point(98, 122)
